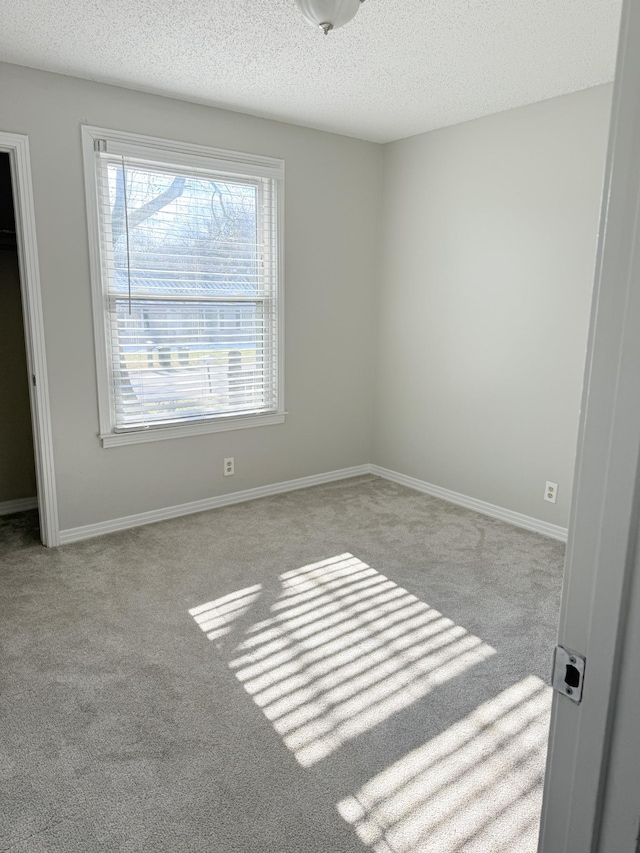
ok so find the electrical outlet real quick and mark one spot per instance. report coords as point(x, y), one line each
point(229, 467)
point(551, 492)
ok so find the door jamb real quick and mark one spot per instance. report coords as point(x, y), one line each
point(605, 511)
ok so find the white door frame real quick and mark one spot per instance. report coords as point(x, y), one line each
point(606, 502)
point(17, 146)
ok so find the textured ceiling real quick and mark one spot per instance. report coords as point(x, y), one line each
point(399, 68)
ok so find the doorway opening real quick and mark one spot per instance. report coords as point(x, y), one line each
point(18, 489)
point(29, 472)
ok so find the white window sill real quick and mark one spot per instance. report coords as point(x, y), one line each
point(160, 433)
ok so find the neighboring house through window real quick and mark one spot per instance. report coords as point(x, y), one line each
point(186, 275)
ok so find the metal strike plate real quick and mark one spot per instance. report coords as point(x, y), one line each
point(567, 676)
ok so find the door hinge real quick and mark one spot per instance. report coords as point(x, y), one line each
point(567, 675)
point(33, 379)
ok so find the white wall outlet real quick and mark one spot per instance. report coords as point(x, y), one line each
point(551, 492)
point(229, 466)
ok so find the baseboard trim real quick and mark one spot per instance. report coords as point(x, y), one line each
point(553, 531)
point(89, 531)
point(19, 505)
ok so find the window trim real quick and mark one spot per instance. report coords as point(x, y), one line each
point(179, 153)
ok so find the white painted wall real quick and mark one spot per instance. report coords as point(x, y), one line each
point(332, 205)
point(481, 238)
point(487, 271)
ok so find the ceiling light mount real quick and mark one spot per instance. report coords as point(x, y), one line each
point(328, 15)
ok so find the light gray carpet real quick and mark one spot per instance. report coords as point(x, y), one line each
point(353, 667)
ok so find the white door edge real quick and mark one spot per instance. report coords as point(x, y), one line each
point(604, 513)
point(17, 146)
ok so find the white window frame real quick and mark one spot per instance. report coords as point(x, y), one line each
point(188, 155)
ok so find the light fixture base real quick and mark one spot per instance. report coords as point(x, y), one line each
point(328, 15)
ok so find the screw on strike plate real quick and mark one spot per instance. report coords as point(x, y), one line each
point(569, 690)
point(572, 660)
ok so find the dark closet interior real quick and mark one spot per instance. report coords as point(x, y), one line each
point(17, 469)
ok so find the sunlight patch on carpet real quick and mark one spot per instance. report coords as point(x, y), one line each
point(342, 649)
point(216, 617)
point(475, 787)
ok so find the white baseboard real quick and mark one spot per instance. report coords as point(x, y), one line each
point(553, 531)
point(88, 531)
point(19, 505)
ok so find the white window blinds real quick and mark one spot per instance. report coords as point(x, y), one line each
point(189, 277)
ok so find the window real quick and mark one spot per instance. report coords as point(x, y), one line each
point(186, 257)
